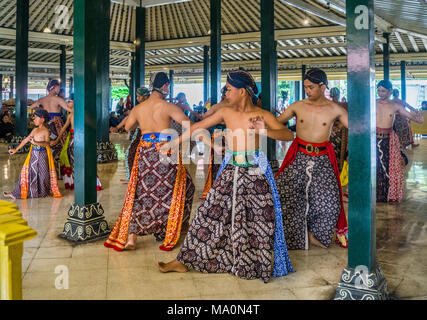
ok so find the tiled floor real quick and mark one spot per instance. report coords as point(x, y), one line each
point(96, 272)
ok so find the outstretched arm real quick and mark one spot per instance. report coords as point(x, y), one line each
point(275, 129)
point(64, 105)
point(23, 143)
point(417, 117)
point(131, 122)
point(288, 114)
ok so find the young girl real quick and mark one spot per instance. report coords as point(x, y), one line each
point(38, 175)
point(67, 153)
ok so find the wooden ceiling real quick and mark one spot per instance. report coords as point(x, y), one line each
point(310, 32)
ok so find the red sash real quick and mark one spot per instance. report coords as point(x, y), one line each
point(312, 149)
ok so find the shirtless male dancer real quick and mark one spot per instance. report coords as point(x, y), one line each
point(238, 227)
point(389, 159)
point(308, 180)
point(156, 185)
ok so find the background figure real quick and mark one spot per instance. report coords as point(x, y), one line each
point(120, 107)
point(402, 125)
point(424, 105)
point(7, 129)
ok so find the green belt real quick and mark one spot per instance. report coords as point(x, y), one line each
point(244, 158)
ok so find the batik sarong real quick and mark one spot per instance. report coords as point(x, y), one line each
point(130, 152)
point(389, 167)
point(403, 130)
point(238, 227)
point(69, 159)
point(38, 175)
point(310, 191)
point(213, 167)
point(339, 140)
point(159, 197)
point(55, 125)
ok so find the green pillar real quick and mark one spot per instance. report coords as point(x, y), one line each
point(303, 71)
point(140, 46)
point(12, 80)
point(205, 73)
point(62, 68)
point(22, 20)
point(106, 152)
point(403, 79)
point(362, 279)
point(386, 56)
point(171, 83)
point(71, 88)
point(215, 51)
point(86, 221)
point(132, 85)
point(268, 67)
point(297, 90)
point(1, 87)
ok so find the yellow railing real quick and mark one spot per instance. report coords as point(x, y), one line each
point(13, 232)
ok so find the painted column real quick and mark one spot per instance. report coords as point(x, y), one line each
point(205, 73)
point(268, 69)
point(386, 56)
point(140, 46)
point(297, 90)
point(303, 71)
point(86, 221)
point(362, 279)
point(12, 89)
point(21, 72)
point(403, 80)
point(171, 84)
point(215, 51)
point(71, 88)
point(63, 68)
point(106, 152)
point(1, 87)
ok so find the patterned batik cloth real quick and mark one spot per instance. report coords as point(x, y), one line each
point(158, 200)
point(403, 130)
point(390, 171)
point(311, 197)
point(339, 140)
point(130, 152)
point(55, 125)
point(38, 175)
point(213, 167)
point(238, 227)
point(69, 178)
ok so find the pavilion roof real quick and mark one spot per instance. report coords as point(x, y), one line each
point(310, 32)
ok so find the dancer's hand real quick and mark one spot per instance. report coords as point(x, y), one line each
point(12, 151)
point(54, 142)
point(257, 123)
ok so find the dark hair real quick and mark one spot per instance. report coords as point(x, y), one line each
point(385, 84)
point(424, 102)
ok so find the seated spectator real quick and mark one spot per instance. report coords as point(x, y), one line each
point(7, 129)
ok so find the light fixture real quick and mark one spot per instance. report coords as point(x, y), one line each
point(47, 30)
point(306, 21)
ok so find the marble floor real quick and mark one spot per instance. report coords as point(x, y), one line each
point(96, 272)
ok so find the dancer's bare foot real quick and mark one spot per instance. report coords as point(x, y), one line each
point(415, 145)
point(314, 241)
point(131, 244)
point(8, 195)
point(173, 266)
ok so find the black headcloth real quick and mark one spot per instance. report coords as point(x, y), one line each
point(317, 76)
point(243, 79)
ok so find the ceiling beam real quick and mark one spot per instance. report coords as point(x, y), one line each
point(147, 3)
point(302, 5)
